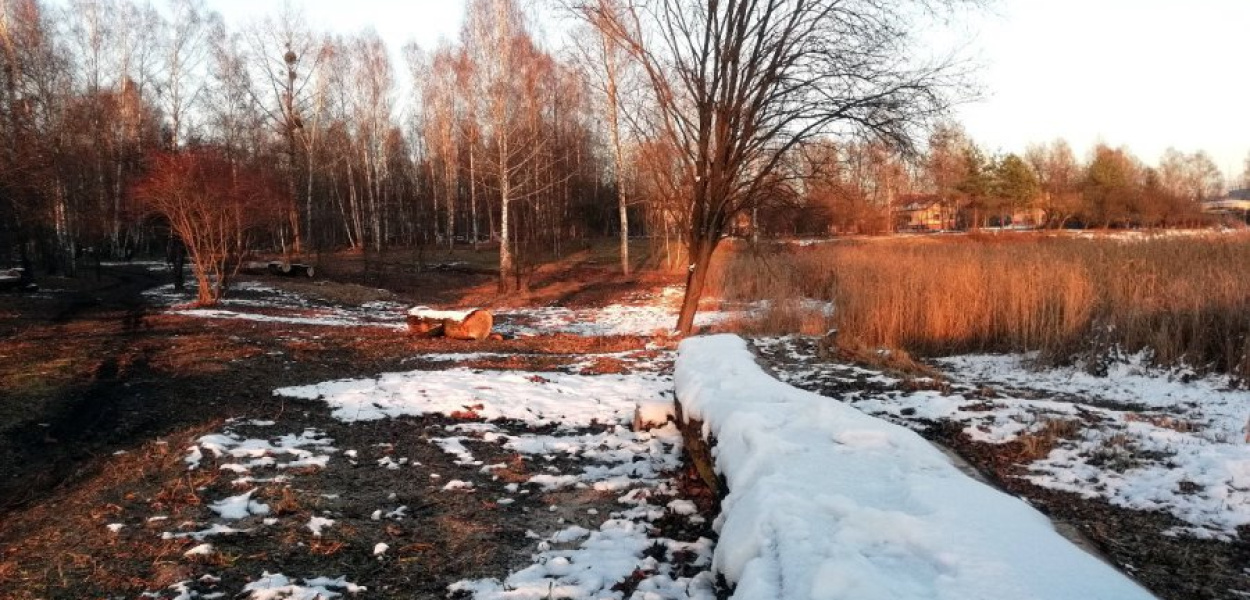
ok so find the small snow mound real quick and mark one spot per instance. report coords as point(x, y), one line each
point(200, 550)
point(239, 507)
point(316, 524)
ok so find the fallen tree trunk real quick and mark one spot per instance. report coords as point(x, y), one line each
point(822, 500)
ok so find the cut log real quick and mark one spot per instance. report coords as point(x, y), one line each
point(287, 269)
point(427, 322)
point(423, 327)
point(475, 326)
point(254, 267)
point(301, 270)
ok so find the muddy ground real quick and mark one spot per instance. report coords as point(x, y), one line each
point(102, 396)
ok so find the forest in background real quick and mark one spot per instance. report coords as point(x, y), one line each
point(501, 141)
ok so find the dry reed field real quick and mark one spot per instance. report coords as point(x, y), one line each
point(1185, 300)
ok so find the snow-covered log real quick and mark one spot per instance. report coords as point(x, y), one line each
point(473, 324)
point(824, 501)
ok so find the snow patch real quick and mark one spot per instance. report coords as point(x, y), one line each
point(536, 398)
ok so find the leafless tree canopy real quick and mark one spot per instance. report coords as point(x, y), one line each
point(740, 84)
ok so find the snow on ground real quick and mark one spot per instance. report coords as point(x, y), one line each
point(641, 314)
point(257, 461)
point(1140, 438)
point(573, 562)
point(571, 400)
point(578, 563)
point(155, 266)
point(828, 502)
point(591, 448)
point(1163, 441)
point(250, 301)
point(276, 586)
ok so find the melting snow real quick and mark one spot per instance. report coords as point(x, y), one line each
point(276, 586)
point(825, 501)
point(571, 400)
point(239, 507)
point(1142, 439)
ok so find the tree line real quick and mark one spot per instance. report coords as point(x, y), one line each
point(873, 188)
point(129, 127)
point(500, 141)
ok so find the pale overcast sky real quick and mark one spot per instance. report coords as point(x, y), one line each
point(1143, 73)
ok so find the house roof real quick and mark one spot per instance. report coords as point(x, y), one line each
point(917, 202)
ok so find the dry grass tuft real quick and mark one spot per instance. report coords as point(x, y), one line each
point(1038, 444)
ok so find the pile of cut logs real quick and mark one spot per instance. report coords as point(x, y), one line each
point(277, 267)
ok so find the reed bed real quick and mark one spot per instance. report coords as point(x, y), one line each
point(1185, 301)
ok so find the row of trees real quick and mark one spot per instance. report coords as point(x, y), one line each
point(500, 143)
point(872, 188)
point(686, 121)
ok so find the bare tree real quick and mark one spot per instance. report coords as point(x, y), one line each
point(283, 55)
point(1200, 178)
point(373, 82)
point(186, 53)
point(440, 100)
point(1060, 179)
point(1245, 175)
point(214, 206)
point(740, 83)
point(607, 59)
point(507, 65)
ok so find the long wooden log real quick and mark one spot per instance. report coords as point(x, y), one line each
point(699, 452)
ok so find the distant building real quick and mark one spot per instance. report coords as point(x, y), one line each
point(1235, 203)
point(923, 212)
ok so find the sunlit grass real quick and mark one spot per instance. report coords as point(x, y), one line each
point(1184, 300)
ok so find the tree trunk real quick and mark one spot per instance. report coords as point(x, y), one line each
point(473, 198)
point(505, 252)
point(701, 253)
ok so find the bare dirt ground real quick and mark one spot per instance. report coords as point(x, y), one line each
point(102, 396)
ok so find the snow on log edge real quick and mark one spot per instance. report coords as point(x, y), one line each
point(827, 502)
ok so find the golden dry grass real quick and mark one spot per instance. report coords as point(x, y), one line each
point(1185, 300)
